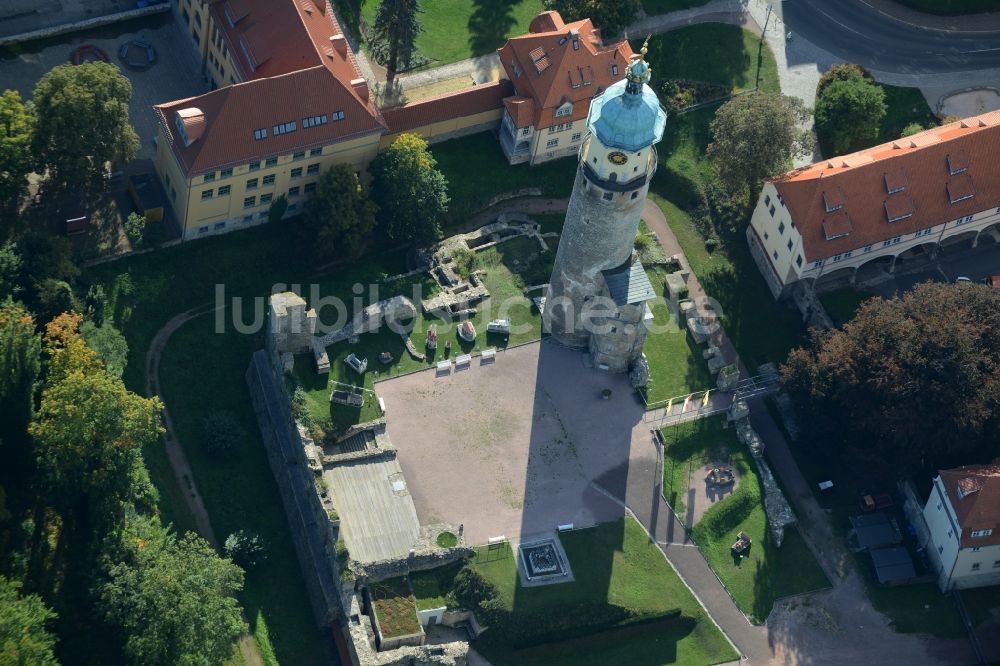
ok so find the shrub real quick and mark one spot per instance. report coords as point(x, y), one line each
point(911, 129)
point(711, 244)
point(642, 242)
point(222, 434)
point(246, 548)
point(135, 228)
point(447, 540)
point(841, 72)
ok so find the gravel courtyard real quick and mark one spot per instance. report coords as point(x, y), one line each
point(521, 445)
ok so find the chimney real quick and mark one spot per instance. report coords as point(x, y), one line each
point(339, 43)
point(361, 88)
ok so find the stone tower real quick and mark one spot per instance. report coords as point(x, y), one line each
point(597, 294)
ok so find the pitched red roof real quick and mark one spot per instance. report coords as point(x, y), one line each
point(895, 188)
point(232, 115)
point(467, 102)
point(558, 63)
point(974, 493)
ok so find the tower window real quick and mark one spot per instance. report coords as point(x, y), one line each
point(607, 196)
point(635, 194)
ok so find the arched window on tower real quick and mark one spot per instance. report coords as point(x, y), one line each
point(613, 177)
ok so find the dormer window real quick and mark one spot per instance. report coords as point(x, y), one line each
point(958, 163)
point(564, 110)
point(895, 181)
point(961, 188)
point(833, 200)
point(179, 124)
point(259, 134)
point(898, 208)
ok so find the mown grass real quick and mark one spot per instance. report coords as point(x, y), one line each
point(768, 572)
point(615, 564)
point(457, 29)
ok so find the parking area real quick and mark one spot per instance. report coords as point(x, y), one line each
point(522, 445)
point(175, 74)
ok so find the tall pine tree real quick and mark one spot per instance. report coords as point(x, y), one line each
point(396, 25)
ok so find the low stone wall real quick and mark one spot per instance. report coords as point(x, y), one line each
point(453, 618)
point(363, 647)
point(86, 24)
point(383, 569)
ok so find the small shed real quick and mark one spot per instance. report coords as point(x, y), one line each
point(874, 530)
point(893, 566)
point(147, 196)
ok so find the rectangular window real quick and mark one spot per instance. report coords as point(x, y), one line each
point(219, 226)
point(224, 190)
point(203, 230)
point(552, 143)
point(313, 121)
point(565, 111)
point(259, 134)
point(271, 161)
point(309, 188)
point(576, 137)
point(283, 128)
point(337, 115)
point(206, 195)
point(299, 155)
point(252, 184)
point(297, 172)
point(269, 180)
point(315, 152)
point(255, 166)
point(975, 566)
point(247, 218)
point(266, 198)
point(312, 169)
point(209, 177)
point(293, 191)
point(250, 202)
point(614, 70)
point(607, 196)
point(525, 131)
point(225, 173)
point(887, 243)
point(293, 207)
point(868, 248)
point(818, 264)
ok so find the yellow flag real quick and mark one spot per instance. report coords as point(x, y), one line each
point(704, 402)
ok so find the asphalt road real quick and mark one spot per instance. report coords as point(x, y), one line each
point(854, 31)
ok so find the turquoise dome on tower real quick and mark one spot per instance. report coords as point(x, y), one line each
point(628, 114)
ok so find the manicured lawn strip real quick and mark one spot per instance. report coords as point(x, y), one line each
point(904, 106)
point(204, 371)
point(654, 7)
point(841, 304)
point(952, 6)
point(477, 172)
point(612, 563)
point(768, 572)
point(395, 608)
point(675, 363)
point(459, 29)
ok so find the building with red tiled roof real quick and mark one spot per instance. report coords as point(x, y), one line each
point(960, 526)
point(449, 115)
point(861, 214)
point(556, 69)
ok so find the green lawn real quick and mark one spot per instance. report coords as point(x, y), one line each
point(952, 6)
point(675, 363)
point(459, 29)
point(615, 566)
point(394, 606)
point(904, 106)
point(202, 371)
point(471, 185)
point(768, 572)
point(841, 304)
point(654, 7)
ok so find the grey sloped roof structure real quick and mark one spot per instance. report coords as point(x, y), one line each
point(628, 284)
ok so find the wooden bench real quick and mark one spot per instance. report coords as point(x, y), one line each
point(489, 355)
point(566, 527)
point(444, 366)
point(464, 359)
point(497, 540)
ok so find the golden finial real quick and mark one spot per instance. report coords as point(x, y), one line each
point(645, 47)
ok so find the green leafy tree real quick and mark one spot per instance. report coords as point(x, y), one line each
point(611, 16)
point(24, 639)
point(339, 220)
point(96, 302)
point(755, 136)
point(246, 548)
point(135, 227)
point(10, 270)
point(222, 435)
point(17, 127)
point(89, 430)
point(412, 195)
point(849, 115)
point(109, 344)
point(397, 27)
point(911, 129)
point(841, 71)
point(277, 210)
point(909, 384)
point(83, 121)
point(20, 365)
point(173, 597)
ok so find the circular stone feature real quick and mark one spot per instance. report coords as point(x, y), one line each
point(137, 54)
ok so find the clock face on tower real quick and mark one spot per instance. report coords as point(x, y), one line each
point(617, 158)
